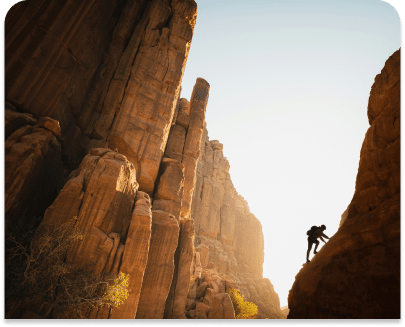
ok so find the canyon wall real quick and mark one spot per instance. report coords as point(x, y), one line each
point(103, 79)
point(97, 135)
point(228, 237)
point(356, 274)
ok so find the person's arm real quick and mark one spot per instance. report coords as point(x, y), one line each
point(322, 239)
point(325, 236)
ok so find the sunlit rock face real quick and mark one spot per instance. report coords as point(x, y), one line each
point(108, 71)
point(102, 197)
point(95, 122)
point(356, 274)
point(109, 74)
point(228, 237)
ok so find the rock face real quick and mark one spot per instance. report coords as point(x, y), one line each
point(228, 237)
point(33, 164)
point(94, 120)
point(357, 273)
point(160, 268)
point(285, 310)
point(108, 71)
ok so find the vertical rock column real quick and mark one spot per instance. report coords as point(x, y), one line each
point(140, 123)
point(165, 233)
point(160, 267)
point(100, 196)
point(194, 124)
point(167, 193)
point(135, 255)
point(176, 300)
point(198, 104)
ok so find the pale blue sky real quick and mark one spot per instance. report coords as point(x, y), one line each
point(290, 82)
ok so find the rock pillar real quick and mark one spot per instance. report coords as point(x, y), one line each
point(198, 104)
point(176, 301)
point(135, 256)
point(159, 270)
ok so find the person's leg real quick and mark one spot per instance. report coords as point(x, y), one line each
point(309, 249)
point(316, 246)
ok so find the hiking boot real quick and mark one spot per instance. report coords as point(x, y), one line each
point(315, 252)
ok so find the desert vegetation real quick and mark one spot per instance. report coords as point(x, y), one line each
point(37, 275)
point(243, 309)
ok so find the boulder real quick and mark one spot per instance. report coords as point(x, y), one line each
point(201, 311)
point(201, 290)
point(190, 304)
point(222, 307)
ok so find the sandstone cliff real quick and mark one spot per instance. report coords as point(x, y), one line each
point(103, 78)
point(357, 273)
point(96, 133)
point(228, 237)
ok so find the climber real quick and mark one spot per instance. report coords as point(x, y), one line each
point(314, 233)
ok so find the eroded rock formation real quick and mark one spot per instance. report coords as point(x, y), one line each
point(228, 237)
point(108, 71)
point(357, 273)
point(94, 120)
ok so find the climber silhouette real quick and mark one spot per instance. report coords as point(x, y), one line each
point(314, 233)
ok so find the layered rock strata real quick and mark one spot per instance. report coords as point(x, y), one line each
point(356, 274)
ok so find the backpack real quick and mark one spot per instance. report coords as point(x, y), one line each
point(312, 230)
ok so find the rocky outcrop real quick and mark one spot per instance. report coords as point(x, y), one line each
point(222, 217)
point(190, 117)
point(357, 273)
point(94, 121)
point(33, 164)
point(285, 310)
point(108, 71)
point(100, 196)
point(229, 238)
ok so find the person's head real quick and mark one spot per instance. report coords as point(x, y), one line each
point(323, 227)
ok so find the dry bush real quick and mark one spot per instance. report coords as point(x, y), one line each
point(37, 274)
point(243, 309)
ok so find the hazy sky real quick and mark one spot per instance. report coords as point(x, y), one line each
point(290, 82)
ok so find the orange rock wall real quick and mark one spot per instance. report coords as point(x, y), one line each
point(109, 72)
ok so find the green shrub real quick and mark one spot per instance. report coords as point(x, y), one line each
point(243, 309)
